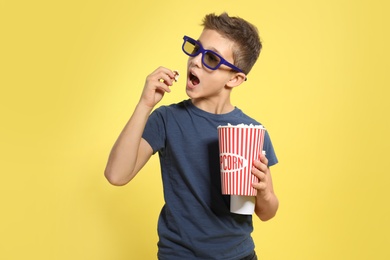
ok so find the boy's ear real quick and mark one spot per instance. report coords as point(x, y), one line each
point(236, 79)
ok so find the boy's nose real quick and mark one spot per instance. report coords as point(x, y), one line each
point(197, 60)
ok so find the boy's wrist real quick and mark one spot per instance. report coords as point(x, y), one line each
point(144, 107)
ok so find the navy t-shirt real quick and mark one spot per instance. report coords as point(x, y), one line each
point(195, 222)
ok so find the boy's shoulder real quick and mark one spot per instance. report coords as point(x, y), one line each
point(185, 107)
point(174, 106)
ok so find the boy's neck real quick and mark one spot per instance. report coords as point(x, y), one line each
point(211, 106)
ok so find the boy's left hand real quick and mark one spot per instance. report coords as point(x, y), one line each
point(266, 201)
point(261, 171)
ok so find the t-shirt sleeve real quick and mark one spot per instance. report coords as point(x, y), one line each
point(269, 150)
point(154, 132)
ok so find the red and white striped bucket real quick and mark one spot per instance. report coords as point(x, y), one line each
point(239, 146)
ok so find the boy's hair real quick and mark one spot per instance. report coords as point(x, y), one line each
point(247, 45)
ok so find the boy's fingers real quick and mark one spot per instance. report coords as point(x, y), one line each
point(264, 159)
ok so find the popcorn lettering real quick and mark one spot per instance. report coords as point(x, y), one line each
point(232, 162)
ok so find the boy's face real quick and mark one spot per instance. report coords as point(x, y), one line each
point(206, 83)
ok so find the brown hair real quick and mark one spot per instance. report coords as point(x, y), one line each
point(245, 35)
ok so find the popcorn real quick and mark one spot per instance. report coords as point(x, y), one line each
point(244, 126)
point(177, 74)
point(239, 146)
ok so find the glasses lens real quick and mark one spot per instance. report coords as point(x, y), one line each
point(211, 60)
point(190, 48)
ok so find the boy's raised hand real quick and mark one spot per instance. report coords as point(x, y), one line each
point(157, 83)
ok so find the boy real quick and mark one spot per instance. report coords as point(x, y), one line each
point(195, 222)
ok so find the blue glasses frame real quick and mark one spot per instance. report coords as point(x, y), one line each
point(198, 48)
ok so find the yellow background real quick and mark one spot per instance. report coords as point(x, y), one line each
point(72, 71)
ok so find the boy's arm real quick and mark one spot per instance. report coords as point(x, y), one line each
point(130, 152)
point(267, 203)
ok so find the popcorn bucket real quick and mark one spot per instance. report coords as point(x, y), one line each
point(239, 146)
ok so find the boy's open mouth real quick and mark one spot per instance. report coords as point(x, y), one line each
point(194, 79)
